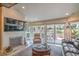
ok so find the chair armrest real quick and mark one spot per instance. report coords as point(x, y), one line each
point(72, 43)
point(72, 52)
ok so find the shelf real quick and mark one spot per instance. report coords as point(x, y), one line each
point(13, 24)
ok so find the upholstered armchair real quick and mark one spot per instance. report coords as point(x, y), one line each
point(72, 53)
point(37, 39)
point(70, 47)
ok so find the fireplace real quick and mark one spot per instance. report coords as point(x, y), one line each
point(15, 41)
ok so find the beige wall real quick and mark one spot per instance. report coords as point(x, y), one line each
point(1, 29)
point(12, 13)
point(50, 21)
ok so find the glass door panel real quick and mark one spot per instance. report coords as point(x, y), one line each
point(59, 33)
point(50, 34)
point(74, 30)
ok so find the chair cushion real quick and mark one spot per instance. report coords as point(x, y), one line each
point(76, 43)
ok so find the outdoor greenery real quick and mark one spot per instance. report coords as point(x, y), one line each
point(74, 31)
point(60, 31)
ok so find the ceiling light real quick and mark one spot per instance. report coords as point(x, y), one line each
point(67, 14)
point(23, 7)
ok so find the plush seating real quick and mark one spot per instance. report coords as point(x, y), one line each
point(72, 53)
point(70, 48)
point(37, 39)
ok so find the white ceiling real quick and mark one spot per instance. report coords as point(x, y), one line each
point(45, 11)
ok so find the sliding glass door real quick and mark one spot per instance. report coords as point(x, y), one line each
point(59, 33)
point(50, 34)
point(55, 33)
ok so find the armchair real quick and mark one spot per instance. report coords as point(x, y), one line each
point(70, 48)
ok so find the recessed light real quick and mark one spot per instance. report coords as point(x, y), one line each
point(67, 14)
point(23, 7)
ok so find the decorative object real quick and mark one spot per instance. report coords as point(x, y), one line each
point(20, 25)
point(8, 49)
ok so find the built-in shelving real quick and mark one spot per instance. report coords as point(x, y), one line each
point(11, 24)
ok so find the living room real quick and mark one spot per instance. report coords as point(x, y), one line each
point(38, 29)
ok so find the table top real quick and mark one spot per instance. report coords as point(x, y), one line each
point(40, 47)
